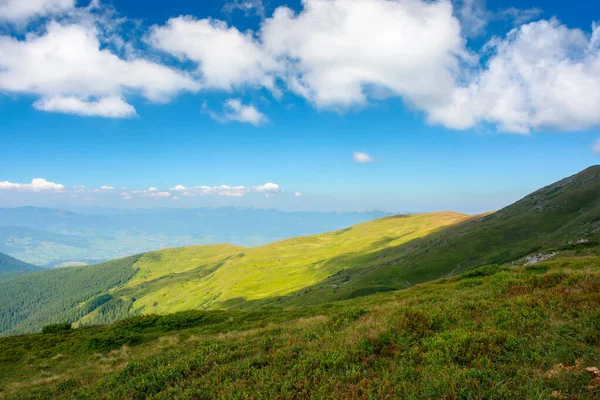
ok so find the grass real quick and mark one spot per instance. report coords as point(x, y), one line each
point(493, 332)
point(218, 276)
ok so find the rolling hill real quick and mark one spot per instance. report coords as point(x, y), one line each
point(378, 256)
point(201, 276)
point(11, 267)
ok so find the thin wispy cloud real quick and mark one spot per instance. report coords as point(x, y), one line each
point(361, 158)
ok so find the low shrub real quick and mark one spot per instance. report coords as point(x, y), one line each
point(54, 328)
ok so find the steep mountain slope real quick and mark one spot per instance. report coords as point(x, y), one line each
point(491, 333)
point(561, 217)
point(11, 267)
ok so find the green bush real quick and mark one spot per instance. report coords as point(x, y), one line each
point(485, 270)
point(113, 339)
point(54, 328)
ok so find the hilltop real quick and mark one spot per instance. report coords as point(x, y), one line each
point(11, 267)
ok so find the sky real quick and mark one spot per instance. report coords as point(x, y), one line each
point(332, 105)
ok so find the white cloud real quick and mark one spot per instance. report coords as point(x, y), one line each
point(474, 16)
point(298, 194)
point(175, 198)
point(340, 53)
point(225, 190)
point(19, 11)
point(126, 196)
point(267, 187)
point(109, 107)
point(248, 7)
point(543, 75)
point(106, 187)
point(360, 157)
point(68, 68)
point(596, 147)
point(226, 58)
point(236, 111)
point(36, 185)
point(519, 16)
point(152, 189)
point(157, 194)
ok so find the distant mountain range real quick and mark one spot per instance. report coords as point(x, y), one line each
point(54, 237)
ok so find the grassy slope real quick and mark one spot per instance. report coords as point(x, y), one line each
point(494, 332)
point(222, 276)
point(200, 276)
point(11, 267)
point(551, 219)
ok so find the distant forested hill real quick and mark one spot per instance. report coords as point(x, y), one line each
point(11, 267)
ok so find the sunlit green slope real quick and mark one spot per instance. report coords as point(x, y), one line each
point(203, 277)
point(226, 276)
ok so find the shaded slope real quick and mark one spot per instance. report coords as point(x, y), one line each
point(11, 267)
point(558, 217)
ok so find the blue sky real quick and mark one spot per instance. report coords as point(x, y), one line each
point(280, 120)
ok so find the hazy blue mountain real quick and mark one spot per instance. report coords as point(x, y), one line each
point(55, 237)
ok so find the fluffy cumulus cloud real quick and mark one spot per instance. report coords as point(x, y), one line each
point(69, 69)
point(336, 54)
point(36, 185)
point(110, 107)
point(360, 157)
point(340, 52)
point(19, 11)
point(267, 187)
point(542, 75)
point(225, 57)
point(235, 110)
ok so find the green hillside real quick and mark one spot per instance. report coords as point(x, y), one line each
point(201, 277)
point(494, 332)
point(11, 267)
point(378, 256)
